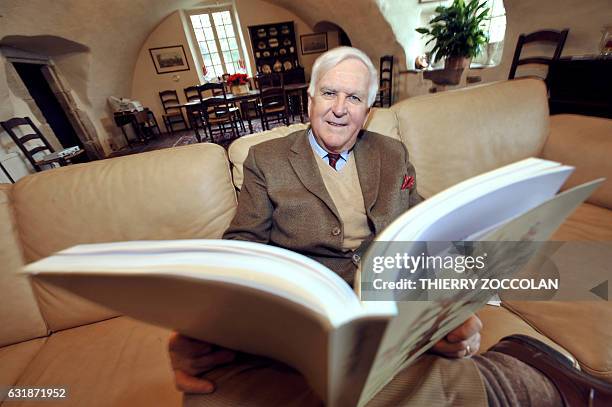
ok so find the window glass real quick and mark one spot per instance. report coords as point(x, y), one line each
point(496, 30)
point(219, 47)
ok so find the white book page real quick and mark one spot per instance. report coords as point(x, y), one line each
point(480, 202)
point(267, 268)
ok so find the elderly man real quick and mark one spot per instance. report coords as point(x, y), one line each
point(325, 192)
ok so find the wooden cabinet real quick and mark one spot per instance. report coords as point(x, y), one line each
point(275, 50)
point(581, 86)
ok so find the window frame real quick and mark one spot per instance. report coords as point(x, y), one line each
point(209, 11)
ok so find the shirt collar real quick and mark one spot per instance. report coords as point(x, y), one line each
point(320, 151)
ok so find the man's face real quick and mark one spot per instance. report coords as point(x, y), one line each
point(339, 107)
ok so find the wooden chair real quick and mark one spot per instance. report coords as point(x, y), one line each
point(553, 37)
point(272, 80)
point(173, 115)
point(195, 116)
point(219, 114)
point(220, 89)
point(385, 82)
point(35, 146)
point(273, 105)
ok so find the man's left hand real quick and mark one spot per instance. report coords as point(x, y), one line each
point(462, 341)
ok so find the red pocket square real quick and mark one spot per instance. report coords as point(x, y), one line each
point(408, 182)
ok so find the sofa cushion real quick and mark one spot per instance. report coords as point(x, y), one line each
point(584, 142)
point(383, 121)
point(15, 358)
point(456, 135)
point(588, 222)
point(138, 197)
point(119, 362)
point(582, 328)
point(239, 149)
point(20, 317)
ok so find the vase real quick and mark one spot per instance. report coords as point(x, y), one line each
point(456, 63)
point(239, 89)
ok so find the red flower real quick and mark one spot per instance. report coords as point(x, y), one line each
point(237, 79)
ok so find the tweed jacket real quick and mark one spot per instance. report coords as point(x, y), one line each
point(284, 201)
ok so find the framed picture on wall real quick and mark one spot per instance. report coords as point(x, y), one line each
point(313, 43)
point(169, 59)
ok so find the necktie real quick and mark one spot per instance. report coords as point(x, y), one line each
point(333, 159)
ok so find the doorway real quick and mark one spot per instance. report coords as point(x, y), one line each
point(323, 26)
point(33, 78)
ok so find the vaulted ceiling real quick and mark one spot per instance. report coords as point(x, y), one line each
point(114, 31)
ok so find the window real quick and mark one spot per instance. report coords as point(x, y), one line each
point(219, 44)
point(496, 29)
point(494, 26)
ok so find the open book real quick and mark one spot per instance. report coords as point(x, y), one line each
point(272, 302)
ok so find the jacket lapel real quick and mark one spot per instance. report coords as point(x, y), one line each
point(302, 160)
point(367, 158)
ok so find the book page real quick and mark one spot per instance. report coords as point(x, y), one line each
point(267, 268)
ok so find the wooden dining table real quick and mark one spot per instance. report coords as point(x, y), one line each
point(294, 89)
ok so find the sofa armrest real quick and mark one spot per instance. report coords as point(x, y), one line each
point(586, 143)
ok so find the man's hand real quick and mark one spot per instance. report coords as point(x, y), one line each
point(190, 358)
point(462, 341)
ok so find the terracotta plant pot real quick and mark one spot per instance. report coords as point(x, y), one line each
point(456, 63)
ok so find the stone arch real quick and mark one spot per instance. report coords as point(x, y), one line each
point(69, 85)
point(327, 26)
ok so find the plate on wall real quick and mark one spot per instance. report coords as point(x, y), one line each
point(273, 42)
point(261, 45)
point(287, 65)
point(266, 69)
point(261, 33)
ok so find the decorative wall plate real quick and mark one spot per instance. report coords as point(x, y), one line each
point(273, 42)
point(273, 31)
point(261, 33)
point(261, 45)
point(266, 54)
point(287, 65)
point(266, 69)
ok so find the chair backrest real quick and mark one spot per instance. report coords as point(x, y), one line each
point(168, 99)
point(32, 141)
point(386, 70)
point(553, 37)
point(217, 106)
point(192, 93)
point(272, 98)
point(271, 80)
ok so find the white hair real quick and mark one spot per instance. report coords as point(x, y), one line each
point(336, 55)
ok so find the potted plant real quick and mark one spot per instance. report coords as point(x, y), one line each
point(458, 32)
point(238, 83)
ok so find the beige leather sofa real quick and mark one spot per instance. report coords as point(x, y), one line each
point(50, 338)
